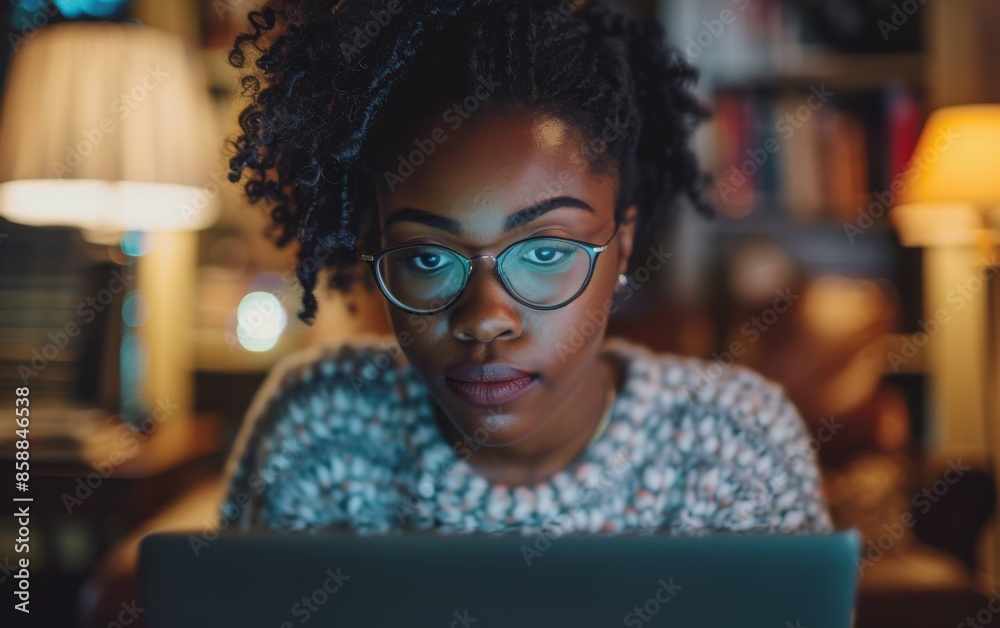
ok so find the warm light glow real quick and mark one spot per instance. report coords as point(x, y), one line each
point(260, 319)
point(108, 127)
point(953, 184)
point(549, 131)
point(837, 307)
point(958, 158)
point(936, 224)
point(108, 206)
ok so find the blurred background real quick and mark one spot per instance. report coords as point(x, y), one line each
point(855, 146)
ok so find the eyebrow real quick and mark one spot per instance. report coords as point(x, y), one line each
point(521, 217)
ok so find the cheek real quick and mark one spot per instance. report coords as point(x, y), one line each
point(411, 324)
point(423, 335)
point(574, 333)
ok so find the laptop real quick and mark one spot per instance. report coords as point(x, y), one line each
point(283, 580)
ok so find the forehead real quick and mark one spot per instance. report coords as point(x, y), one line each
point(483, 168)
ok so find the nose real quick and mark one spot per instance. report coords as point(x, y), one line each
point(486, 311)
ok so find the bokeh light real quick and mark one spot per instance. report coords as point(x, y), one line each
point(260, 319)
point(134, 310)
point(94, 8)
point(135, 243)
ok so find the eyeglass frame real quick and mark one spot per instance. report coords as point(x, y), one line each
point(593, 251)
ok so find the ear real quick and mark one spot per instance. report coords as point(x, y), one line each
point(626, 237)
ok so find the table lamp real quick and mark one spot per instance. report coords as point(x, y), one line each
point(952, 197)
point(951, 207)
point(108, 127)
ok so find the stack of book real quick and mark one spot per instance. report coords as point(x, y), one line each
point(811, 153)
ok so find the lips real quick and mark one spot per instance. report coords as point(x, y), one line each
point(489, 384)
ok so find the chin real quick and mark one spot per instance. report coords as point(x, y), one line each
point(488, 427)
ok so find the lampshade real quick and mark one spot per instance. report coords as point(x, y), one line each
point(953, 196)
point(108, 127)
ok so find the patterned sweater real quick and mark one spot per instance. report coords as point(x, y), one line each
point(343, 436)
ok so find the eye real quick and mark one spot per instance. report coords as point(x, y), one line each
point(548, 254)
point(427, 261)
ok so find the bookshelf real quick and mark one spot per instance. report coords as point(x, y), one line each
point(811, 128)
point(941, 54)
point(839, 70)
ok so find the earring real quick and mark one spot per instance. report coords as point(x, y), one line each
point(622, 282)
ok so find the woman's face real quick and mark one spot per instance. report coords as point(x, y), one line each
point(482, 172)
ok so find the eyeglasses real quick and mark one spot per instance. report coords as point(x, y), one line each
point(543, 273)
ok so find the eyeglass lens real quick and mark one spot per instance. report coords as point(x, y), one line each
point(543, 272)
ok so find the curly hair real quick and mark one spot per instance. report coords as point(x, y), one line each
point(337, 86)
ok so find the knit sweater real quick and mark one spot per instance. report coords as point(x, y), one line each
point(343, 436)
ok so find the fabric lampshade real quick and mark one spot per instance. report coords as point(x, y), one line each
point(953, 196)
point(108, 126)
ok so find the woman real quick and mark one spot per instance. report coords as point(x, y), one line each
point(492, 164)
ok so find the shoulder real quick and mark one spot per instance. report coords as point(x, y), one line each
point(342, 401)
point(747, 453)
point(732, 392)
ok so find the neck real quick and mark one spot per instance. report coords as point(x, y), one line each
point(548, 450)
